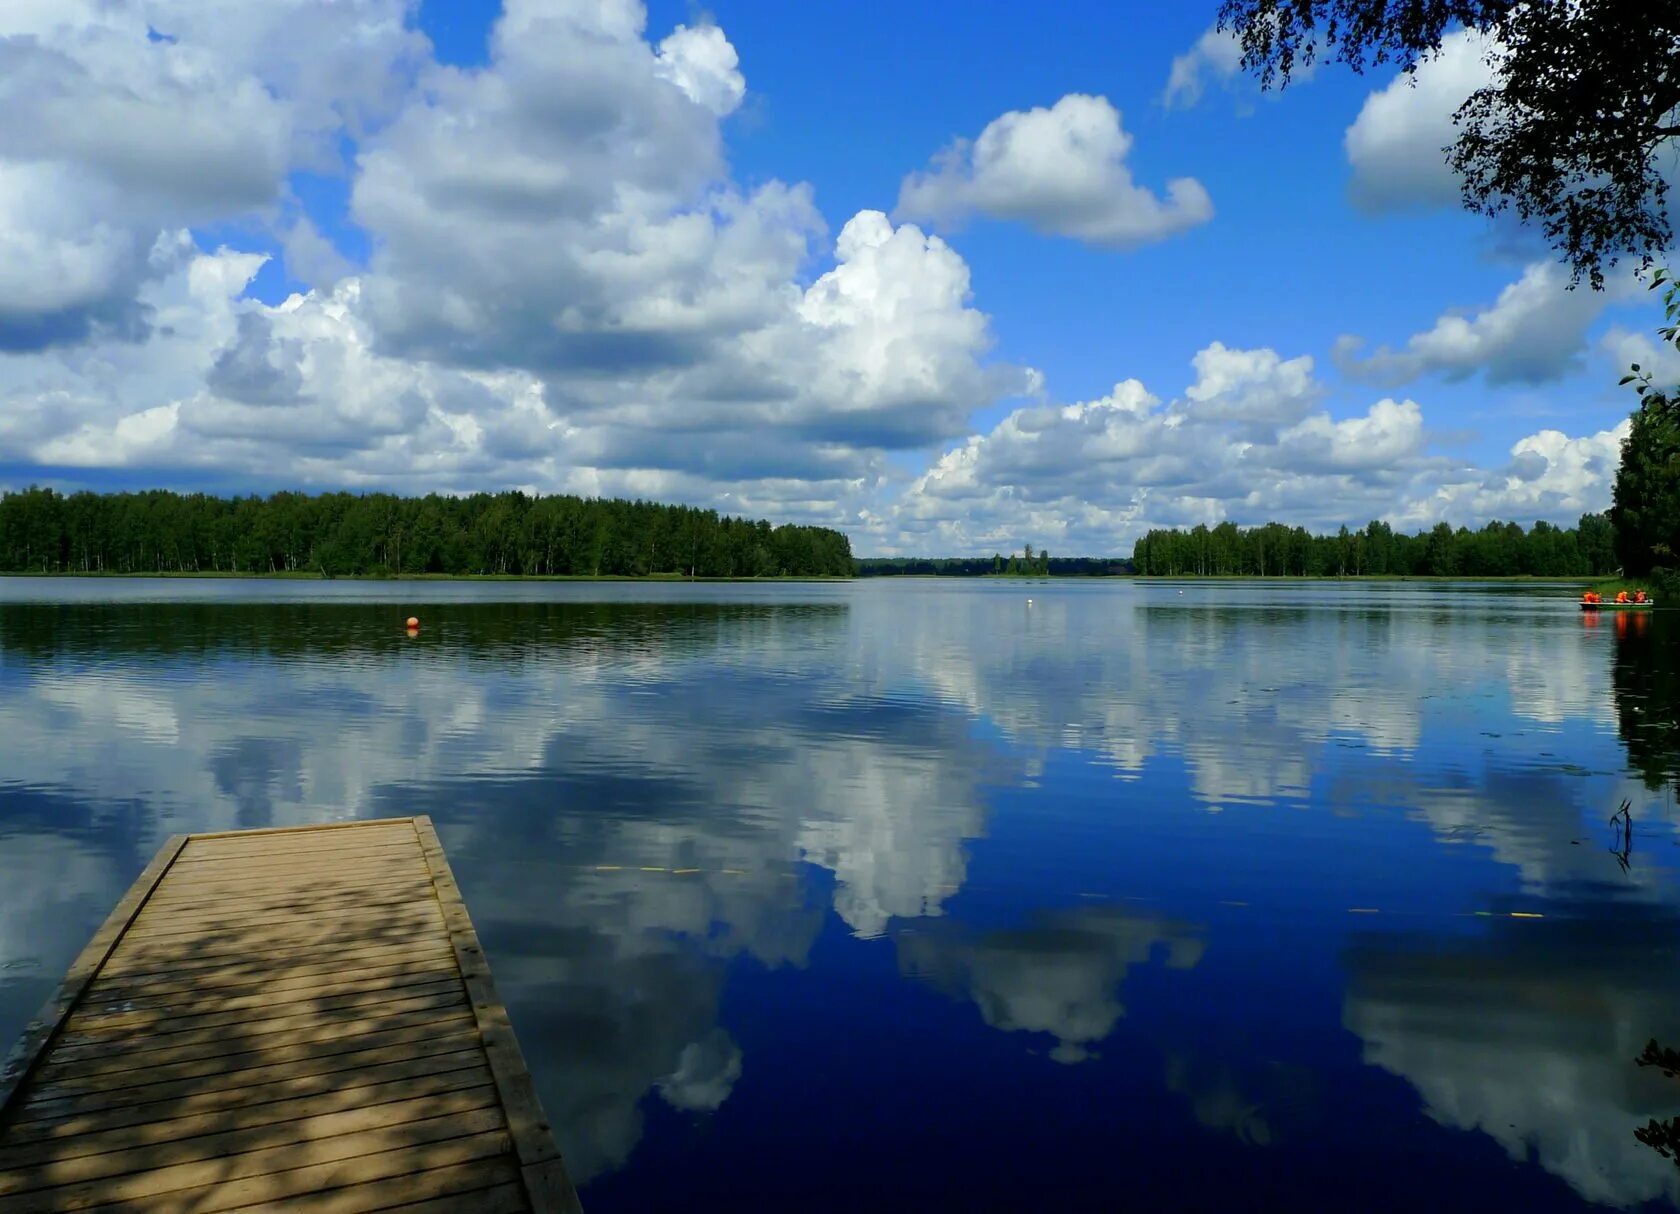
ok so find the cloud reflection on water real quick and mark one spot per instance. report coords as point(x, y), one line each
point(1528, 1034)
point(1061, 974)
point(580, 758)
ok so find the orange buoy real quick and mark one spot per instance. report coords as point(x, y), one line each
point(414, 621)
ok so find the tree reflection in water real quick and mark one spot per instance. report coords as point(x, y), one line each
point(1662, 1136)
point(1646, 677)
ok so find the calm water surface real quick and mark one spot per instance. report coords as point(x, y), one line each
point(920, 895)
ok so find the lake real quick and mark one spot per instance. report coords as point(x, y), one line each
point(915, 895)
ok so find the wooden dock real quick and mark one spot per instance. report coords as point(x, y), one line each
point(292, 1019)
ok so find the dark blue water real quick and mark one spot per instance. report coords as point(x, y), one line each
point(916, 895)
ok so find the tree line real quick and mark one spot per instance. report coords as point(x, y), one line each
point(381, 534)
point(1274, 550)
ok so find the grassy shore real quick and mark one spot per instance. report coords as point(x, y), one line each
point(1610, 587)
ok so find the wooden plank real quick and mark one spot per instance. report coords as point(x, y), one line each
point(295, 1016)
point(351, 850)
point(346, 834)
point(457, 1190)
point(63, 1146)
point(140, 1055)
point(162, 928)
point(320, 832)
point(117, 1071)
point(196, 972)
point(247, 844)
point(195, 1001)
point(279, 867)
point(416, 955)
point(121, 966)
point(189, 934)
point(213, 1043)
point(310, 856)
point(295, 883)
point(312, 931)
point(49, 1102)
point(232, 880)
point(299, 861)
point(423, 956)
point(264, 871)
point(348, 918)
point(281, 1173)
point(444, 993)
point(283, 865)
point(292, 895)
point(420, 1077)
point(503, 1199)
point(258, 909)
point(404, 938)
point(310, 842)
point(51, 1017)
point(252, 907)
point(186, 903)
point(56, 1171)
point(285, 1017)
point(528, 1125)
point(261, 872)
point(305, 829)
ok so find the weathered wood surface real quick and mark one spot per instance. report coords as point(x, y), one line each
point(294, 1019)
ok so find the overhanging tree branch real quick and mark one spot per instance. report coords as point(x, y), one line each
point(1568, 136)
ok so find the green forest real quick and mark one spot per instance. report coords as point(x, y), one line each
point(1497, 550)
point(380, 534)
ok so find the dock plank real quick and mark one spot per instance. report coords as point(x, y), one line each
point(243, 981)
point(65, 1142)
point(282, 1018)
point(48, 1171)
point(300, 1019)
point(442, 1073)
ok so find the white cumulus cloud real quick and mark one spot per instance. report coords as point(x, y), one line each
point(567, 292)
point(1246, 441)
point(1534, 333)
point(1626, 349)
point(1061, 170)
point(1215, 56)
point(1550, 475)
point(120, 122)
point(1396, 144)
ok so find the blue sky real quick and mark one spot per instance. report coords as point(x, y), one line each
point(878, 270)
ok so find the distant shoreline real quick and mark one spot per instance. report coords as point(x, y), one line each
point(1292, 578)
point(301, 576)
point(1583, 578)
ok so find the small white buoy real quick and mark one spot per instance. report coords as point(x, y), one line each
point(1029, 602)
